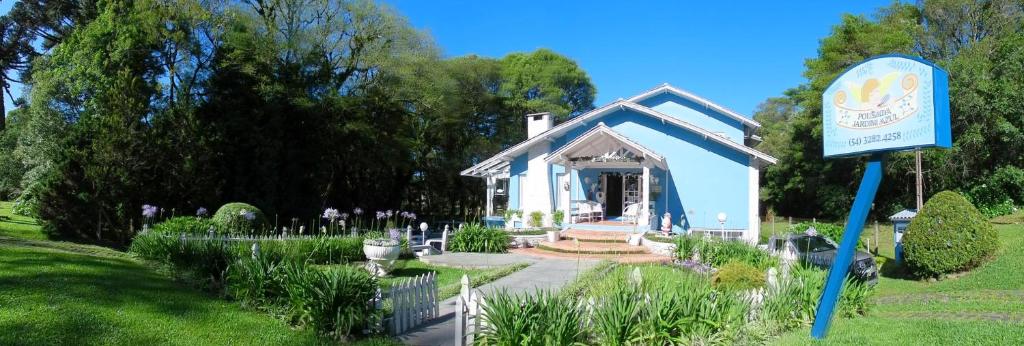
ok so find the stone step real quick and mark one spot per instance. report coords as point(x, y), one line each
point(595, 236)
point(597, 248)
point(621, 258)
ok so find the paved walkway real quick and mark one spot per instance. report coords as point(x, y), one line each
point(545, 274)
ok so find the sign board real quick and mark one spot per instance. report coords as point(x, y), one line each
point(886, 103)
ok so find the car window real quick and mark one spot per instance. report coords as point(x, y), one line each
point(812, 244)
point(780, 245)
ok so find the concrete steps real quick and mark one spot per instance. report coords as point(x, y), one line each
point(602, 245)
point(595, 236)
point(593, 248)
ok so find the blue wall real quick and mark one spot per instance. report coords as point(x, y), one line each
point(696, 114)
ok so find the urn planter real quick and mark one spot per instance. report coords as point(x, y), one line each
point(381, 255)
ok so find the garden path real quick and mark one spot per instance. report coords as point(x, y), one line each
point(544, 274)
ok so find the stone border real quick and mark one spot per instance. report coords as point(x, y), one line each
point(665, 249)
point(522, 241)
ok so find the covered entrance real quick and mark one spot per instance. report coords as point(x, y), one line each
point(609, 179)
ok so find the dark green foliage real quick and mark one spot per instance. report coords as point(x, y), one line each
point(475, 237)
point(232, 219)
point(543, 318)
point(257, 282)
point(334, 302)
point(716, 252)
point(999, 193)
point(186, 224)
point(948, 235)
point(827, 230)
point(738, 275)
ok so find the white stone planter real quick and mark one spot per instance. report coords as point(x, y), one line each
point(380, 259)
point(554, 236)
point(667, 249)
point(634, 239)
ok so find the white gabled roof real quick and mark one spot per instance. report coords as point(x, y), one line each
point(500, 162)
point(666, 88)
point(601, 140)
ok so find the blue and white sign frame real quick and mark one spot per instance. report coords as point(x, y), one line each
point(886, 103)
point(883, 104)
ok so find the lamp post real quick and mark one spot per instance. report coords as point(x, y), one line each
point(721, 223)
point(423, 228)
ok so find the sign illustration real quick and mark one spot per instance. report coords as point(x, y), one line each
point(886, 103)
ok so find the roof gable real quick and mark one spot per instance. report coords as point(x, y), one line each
point(500, 161)
point(669, 89)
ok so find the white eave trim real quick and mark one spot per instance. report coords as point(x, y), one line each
point(602, 129)
point(509, 154)
point(666, 88)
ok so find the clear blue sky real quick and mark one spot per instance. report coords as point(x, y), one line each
point(734, 53)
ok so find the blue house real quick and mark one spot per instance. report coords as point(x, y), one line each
point(626, 164)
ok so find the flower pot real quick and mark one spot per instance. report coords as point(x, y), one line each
point(380, 259)
point(554, 236)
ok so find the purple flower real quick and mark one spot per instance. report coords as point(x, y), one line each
point(331, 214)
point(149, 210)
point(395, 234)
point(388, 213)
point(201, 211)
point(381, 215)
point(357, 211)
point(811, 231)
point(344, 216)
point(248, 215)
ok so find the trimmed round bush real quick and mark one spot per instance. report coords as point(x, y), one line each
point(738, 275)
point(232, 218)
point(186, 224)
point(948, 235)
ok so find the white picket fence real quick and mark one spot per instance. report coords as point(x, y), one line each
point(413, 301)
point(469, 310)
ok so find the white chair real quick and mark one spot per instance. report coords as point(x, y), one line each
point(582, 211)
point(443, 241)
point(631, 212)
point(596, 211)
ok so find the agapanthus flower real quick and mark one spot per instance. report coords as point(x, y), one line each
point(201, 211)
point(344, 216)
point(811, 231)
point(395, 234)
point(331, 214)
point(249, 216)
point(389, 213)
point(357, 211)
point(411, 216)
point(381, 215)
point(404, 214)
point(149, 210)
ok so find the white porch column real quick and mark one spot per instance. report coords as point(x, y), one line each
point(645, 198)
point(491, 182)
point(570, 169)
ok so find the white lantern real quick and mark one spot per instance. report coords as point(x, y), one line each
point(423, 226)
point(721, 217)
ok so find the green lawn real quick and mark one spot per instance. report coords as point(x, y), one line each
point(71, 294)
point(985, 306)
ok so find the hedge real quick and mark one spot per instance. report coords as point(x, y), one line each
point(948, 235)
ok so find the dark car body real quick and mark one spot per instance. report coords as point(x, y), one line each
point(820, 252)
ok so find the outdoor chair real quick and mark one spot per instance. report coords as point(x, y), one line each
point(583, 211)
point(631, 212)
point(442, 242)
point(596, 211)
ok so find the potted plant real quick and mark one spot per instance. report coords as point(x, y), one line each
point(558, 217)
point(381, 254)
point(518, 219)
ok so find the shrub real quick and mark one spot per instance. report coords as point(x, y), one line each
point(827, 230)
point(738, 275)
point(233, 219)
point(536, 219)
point(334, 302)
point(186, 224)
point(948, 235)
point(996, 194)
point(546, 318)
point(716, 252)
point(558, 217)
point(478, 238)
point(256, 282)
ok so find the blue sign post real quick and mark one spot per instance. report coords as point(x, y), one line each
point(883, 104)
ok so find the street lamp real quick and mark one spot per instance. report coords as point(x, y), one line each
point(721, 222)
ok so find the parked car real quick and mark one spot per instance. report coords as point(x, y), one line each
point(820, 251)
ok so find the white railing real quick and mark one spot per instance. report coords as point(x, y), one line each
point(468, 313)
point(413, 302)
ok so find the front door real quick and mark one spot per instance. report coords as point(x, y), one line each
point(613, 196)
